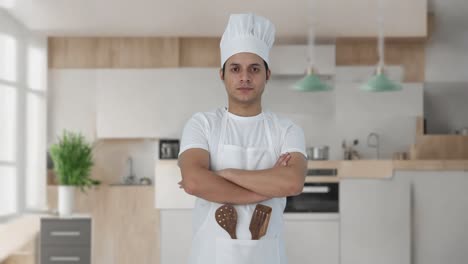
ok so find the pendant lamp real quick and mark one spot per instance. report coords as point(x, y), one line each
point(311, 82)
point(380, 82)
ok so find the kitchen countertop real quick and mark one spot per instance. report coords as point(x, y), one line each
point(380, 168)
point(312, 216)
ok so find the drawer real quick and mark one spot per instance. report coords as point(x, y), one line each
point(65, 255)
point(65, 232)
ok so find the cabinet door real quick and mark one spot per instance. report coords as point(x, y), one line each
point(154, 102)
point(176, 236)
point(168, 195)
point(312, 241)
point(375, 221)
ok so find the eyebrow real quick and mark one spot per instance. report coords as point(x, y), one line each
point(238, 64)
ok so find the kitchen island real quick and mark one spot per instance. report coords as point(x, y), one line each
point(125, 223)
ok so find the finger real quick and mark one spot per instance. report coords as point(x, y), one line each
point(279, 160)
point(286, 160)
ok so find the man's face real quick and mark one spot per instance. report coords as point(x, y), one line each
point(245, 77)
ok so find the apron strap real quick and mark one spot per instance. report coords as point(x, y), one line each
point(222, 135)
point(271, 146)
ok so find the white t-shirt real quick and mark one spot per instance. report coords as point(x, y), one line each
point(202, 131)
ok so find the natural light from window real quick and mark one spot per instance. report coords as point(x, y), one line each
point(8, 194)
point(36, 69)
point(8, 124)
point(8, 51)
point(35, 166)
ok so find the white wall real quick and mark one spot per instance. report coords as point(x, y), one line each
point(327, 118)
point(346, 113)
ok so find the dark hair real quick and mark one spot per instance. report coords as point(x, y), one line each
point(264, 62)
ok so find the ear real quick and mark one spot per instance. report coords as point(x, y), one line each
point(268, 74)
point(221, 76)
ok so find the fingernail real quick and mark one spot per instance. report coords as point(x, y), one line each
point(284, 163)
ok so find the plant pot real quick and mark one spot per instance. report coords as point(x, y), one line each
point(66, 200)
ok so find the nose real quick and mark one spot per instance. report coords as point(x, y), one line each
point(245, 76)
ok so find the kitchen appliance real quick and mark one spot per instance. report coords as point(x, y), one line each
point(318, 153)
point(168, 148)
point(317, 197)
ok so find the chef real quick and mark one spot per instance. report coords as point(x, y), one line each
point(241, 155)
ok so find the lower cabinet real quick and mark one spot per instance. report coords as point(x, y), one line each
point(175, 235)
point(65, 240)
point(375, 222)
point(311, 239)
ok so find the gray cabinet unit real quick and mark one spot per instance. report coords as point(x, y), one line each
point(375, 221)
point(312, 240)
point(65, 240)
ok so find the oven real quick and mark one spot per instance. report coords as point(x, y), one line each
point(317, 196)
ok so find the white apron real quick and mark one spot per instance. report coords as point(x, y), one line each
point(211, 244)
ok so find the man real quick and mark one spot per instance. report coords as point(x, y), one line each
point(232, 155)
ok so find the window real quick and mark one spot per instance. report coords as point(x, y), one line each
point(23, 71)
point(8, 126)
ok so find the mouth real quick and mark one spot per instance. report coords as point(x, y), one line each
point(244, 89)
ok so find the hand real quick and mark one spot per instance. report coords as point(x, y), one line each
point(283, 160)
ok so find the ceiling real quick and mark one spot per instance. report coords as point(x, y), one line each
point(333, 18)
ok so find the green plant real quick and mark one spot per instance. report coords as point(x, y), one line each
point(73, 160)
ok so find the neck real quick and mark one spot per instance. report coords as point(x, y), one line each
point(245, 110)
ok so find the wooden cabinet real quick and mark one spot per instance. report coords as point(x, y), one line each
point(125, 227)
point(375, 221)
point(312, 239)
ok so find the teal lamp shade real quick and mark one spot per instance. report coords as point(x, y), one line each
point(380, 83)
point(311, 83)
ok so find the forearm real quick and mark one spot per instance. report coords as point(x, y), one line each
point(274, 182)
point(212, 187)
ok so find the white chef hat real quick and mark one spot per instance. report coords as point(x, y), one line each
point(247, 33)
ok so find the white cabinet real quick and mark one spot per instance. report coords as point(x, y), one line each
point(168, 195)
point(155, 103)
point(375, 221)
point(312, 239)
point(175, 236)
point(440, 215)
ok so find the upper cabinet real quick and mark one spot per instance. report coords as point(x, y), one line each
point(154, 103)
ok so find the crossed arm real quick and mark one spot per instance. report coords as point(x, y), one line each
point(285, 178)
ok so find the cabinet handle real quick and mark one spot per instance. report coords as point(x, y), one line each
point(64, 258)
point(316, 189)
point(65, 233)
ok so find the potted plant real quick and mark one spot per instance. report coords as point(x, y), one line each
point(73, 160)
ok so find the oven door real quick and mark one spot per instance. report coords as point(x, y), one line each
point(315, 198)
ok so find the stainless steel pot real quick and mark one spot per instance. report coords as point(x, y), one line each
point(318, 153)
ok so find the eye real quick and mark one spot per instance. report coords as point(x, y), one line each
point(235, 69)
point(255, 69)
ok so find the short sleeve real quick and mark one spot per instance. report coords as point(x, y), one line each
point(195, 133)
point(293, 140)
